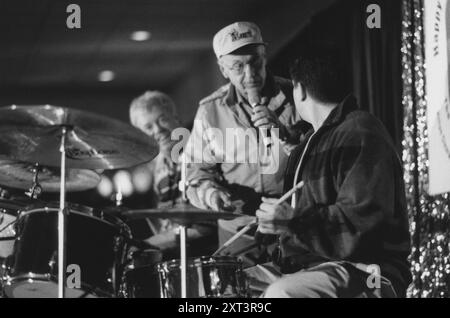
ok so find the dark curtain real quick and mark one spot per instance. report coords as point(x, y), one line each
point(376, 64)
point(371, 56)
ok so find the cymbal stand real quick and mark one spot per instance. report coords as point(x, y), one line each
point(183, 260)
point(62, 219)
point(183, 182)
point(182, 228)
point(118, 197)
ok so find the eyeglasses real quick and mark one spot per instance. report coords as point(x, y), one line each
point(238, 67)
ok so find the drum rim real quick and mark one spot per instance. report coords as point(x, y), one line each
point(9, 281)
point(47, 209)
point(88, 210)
point(202, 260)
point(109, 220)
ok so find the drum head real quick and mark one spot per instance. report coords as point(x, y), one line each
point(41, 287)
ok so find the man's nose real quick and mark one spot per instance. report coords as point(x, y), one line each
point(249, 71)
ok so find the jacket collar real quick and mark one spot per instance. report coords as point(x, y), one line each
point(340, 112)
point(337, 115)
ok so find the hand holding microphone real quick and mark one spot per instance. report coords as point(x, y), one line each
point(262, 117)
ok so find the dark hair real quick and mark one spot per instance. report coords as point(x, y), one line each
point(322, 73)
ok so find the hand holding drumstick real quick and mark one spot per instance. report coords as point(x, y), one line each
point(275, 212)
point(266, 214)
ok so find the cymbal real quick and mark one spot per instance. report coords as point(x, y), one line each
point(20, 175)
point(33, 134)
point(115, 210)
point(181, 214)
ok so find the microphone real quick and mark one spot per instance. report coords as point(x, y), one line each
point(254, 99)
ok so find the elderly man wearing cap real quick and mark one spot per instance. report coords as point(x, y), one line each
point(155, 114)
point(252, 100)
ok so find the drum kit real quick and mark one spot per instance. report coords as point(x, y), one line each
point(54, 149)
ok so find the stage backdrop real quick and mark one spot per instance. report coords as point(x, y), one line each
point(437, 45)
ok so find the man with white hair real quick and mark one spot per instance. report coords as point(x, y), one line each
point(155, 114)
point(254, 101)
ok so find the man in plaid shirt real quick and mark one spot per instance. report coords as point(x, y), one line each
point(345, 233)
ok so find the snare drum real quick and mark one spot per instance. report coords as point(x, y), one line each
point(210, 277)
point(96, 245)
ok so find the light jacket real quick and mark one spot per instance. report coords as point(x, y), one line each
point(223, 112)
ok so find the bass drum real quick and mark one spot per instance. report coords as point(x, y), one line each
point(96, 248)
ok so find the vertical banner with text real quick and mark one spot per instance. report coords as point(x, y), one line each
point(437, 44)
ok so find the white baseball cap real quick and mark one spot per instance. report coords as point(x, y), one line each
point(235, 36)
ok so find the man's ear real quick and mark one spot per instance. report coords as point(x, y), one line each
point(222, 70)
point(303, 91)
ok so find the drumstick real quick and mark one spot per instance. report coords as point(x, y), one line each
point(247, 228)
point(288, 194)
point(244, 230)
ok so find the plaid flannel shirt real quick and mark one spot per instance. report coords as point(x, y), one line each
point(352, 206)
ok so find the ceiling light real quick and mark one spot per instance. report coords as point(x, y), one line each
point(106, 76)
point(140, 35)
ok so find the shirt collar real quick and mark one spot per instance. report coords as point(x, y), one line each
point(271, 92)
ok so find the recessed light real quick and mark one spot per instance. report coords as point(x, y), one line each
point(106, 76)
point(140, 35)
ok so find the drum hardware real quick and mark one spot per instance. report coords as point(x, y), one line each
point(183, 258)
point(62, 219)
point(118, 204)
point(118, 197)
point(182, 228)
point(35, 191)
point(117, 262)
point(4, 194)
point(2, 215)
point(20, 175)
